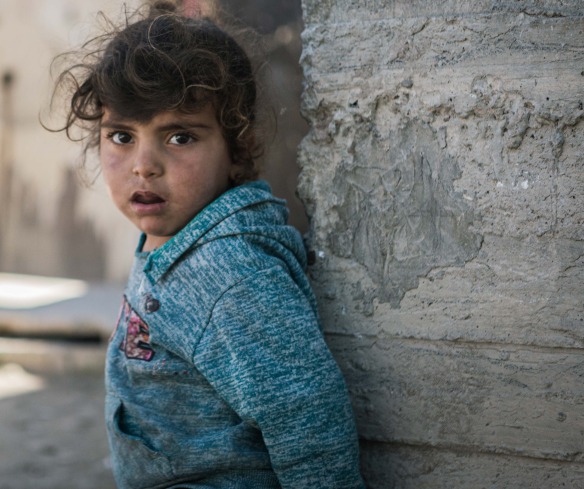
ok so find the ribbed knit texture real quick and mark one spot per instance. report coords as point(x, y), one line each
point(218, 374)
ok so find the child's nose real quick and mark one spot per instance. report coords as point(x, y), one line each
point(147, 163)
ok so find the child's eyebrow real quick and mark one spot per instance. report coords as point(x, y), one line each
point(114, 123)
point(183, 126)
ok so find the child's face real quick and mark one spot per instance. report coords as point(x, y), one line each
point(163, 172)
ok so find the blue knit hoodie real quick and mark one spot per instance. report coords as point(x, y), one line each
point(217, 374)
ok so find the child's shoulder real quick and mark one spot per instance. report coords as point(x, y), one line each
point(223, 262)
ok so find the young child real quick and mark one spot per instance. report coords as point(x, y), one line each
point(217, 373)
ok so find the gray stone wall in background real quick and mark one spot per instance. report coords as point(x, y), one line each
point(444, 179)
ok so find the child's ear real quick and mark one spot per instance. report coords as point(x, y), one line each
point(235, 173)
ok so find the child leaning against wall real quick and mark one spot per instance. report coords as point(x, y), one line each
point(217, 373)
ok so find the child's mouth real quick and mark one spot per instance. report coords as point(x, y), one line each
point(144, 201)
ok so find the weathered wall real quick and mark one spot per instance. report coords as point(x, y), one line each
point(443, 174)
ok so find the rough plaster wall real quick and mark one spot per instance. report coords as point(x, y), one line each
point(444, 179)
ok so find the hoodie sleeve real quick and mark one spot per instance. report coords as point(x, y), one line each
point(264, 353)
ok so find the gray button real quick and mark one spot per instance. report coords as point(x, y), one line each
point(151, 304)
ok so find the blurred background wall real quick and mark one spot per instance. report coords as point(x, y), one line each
point(50, 224)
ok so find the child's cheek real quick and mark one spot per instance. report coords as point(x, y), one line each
point(113, 165)
point(115, 180)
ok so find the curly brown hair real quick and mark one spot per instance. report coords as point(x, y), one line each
point(163, 62)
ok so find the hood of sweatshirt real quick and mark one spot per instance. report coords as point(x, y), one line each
point(249, 210)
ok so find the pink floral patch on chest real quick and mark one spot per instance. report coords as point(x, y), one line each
point(136, 343)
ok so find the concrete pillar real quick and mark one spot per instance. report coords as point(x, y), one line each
point(444, 179)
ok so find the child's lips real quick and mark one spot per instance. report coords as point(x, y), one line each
point(146, 202)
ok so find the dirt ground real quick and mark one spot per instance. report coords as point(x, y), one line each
point(52, 437)
point(52, 356)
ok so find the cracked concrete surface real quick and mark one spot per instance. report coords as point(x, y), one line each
point(444, 181)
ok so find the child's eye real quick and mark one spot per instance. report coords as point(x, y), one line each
point(120, 137)
point(181, 139)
